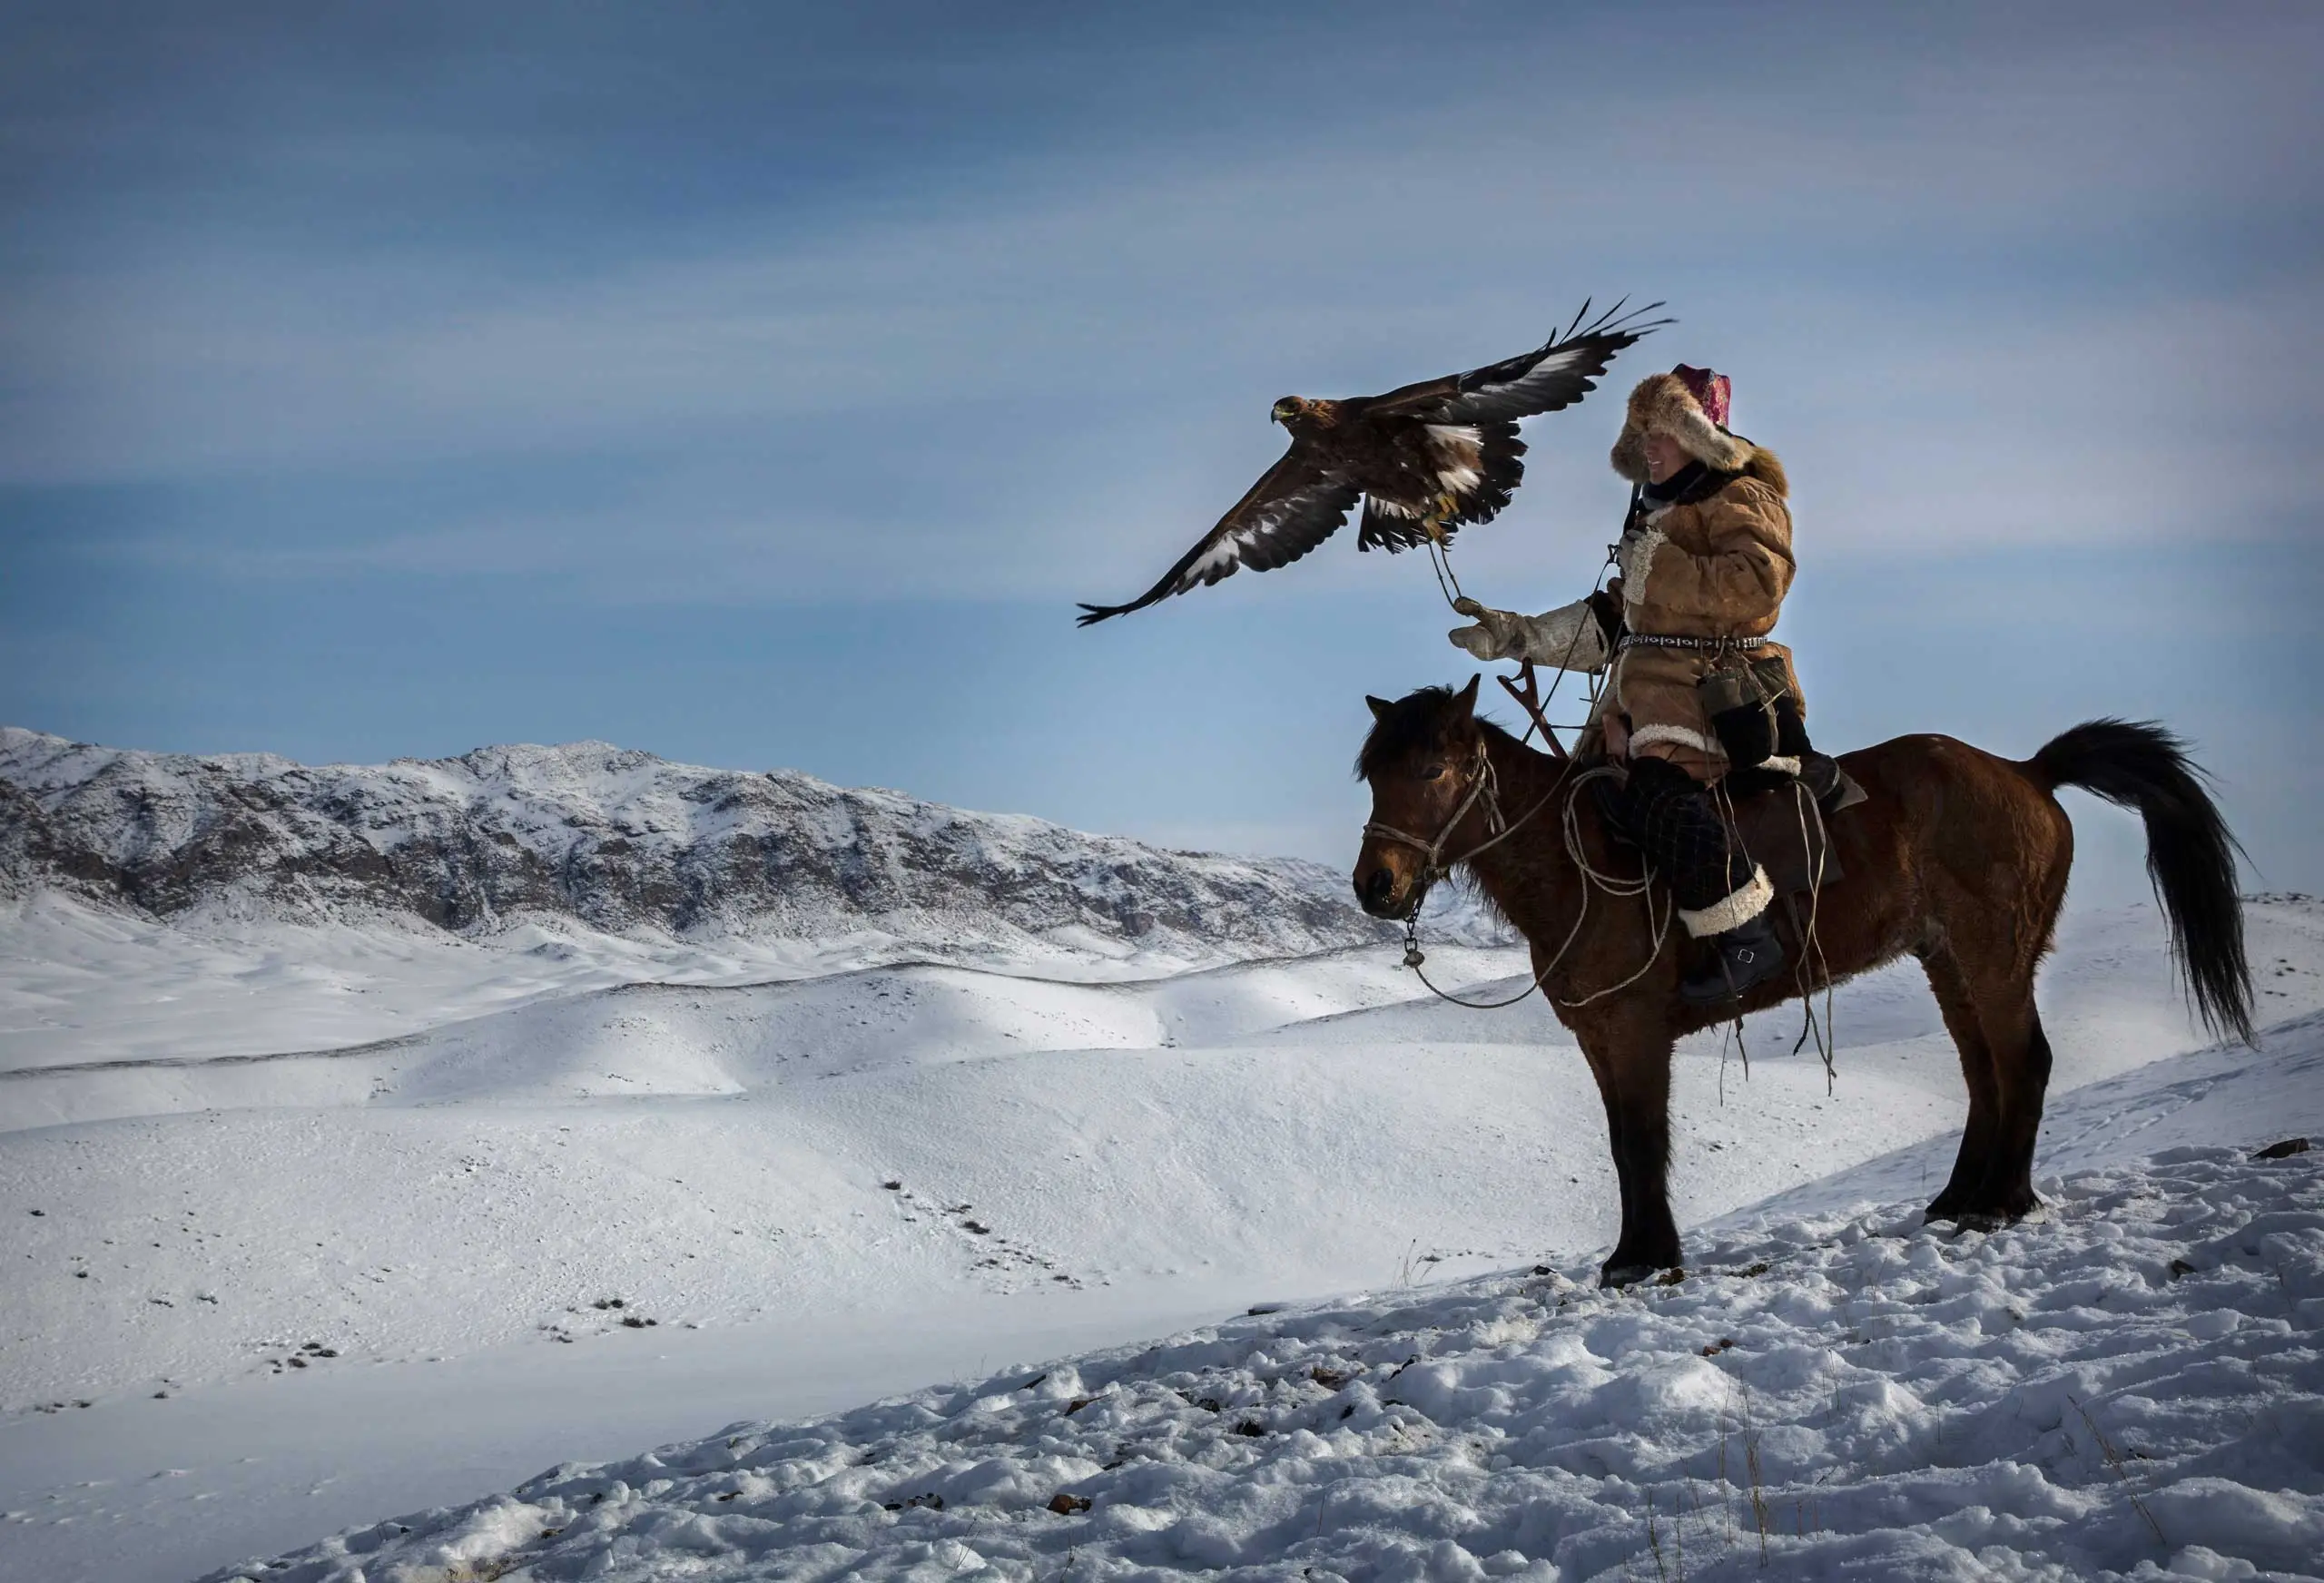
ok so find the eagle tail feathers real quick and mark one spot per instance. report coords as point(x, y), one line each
point(1500, 462)
point(1386, 527)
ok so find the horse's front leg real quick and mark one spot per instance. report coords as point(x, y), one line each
point(1629, 1055)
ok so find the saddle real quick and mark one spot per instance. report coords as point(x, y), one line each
point(1778, 825)
point(1770, 819)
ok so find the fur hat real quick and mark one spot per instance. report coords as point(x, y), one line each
point(1690, 406)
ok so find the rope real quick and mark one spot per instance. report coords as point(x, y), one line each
point(1642, 885)
point(1570, 825)
point(1812, 937)
point(1440, 561)
point(1448, 583)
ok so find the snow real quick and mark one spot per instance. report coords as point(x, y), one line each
point(431, 1157)
point(2129, 1386)
point(591, 837)
point(82, 986)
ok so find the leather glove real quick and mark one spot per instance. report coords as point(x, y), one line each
point(1498, 634)
point(1573, 637)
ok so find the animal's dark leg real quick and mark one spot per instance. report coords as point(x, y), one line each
point(1610, 1094)
point(2022, 1062)
point(1633, 1064)
point(1981, 1135)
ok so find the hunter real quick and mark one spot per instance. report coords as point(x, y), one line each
point(1697, 690)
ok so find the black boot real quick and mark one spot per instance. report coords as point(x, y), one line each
point(1672, 819)
point(1745, 956)
point(1832, 787)
point(1819, 772)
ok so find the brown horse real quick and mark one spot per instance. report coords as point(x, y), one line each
point(1957, 857)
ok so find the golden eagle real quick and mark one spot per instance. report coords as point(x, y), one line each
point(1425, 458)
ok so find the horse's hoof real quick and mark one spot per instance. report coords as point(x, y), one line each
point(1977, 1220)
point(1614, 1277)
point(1989, 1219)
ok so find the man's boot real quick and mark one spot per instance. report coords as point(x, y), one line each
point(1745, 956)
point(1827, 782)
point(1830, 785)
point(1720, 896)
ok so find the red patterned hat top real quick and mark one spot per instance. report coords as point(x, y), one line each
point(1711, 391)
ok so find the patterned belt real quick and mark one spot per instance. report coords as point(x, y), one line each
point(1648, 640)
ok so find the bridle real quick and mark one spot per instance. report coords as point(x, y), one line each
point(1482, 788)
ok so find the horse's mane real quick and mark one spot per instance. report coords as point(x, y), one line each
point(1411, 722)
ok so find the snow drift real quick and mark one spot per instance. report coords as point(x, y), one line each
point(2128, 1386)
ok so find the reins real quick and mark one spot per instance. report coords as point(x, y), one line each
point(1484, 786)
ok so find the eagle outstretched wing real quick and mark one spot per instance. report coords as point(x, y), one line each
point(1555, 376)
point(1425, 458)
point(1297, 504)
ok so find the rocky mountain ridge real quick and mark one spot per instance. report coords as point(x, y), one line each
point(622, 841)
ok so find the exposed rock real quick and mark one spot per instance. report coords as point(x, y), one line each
point(622, 841)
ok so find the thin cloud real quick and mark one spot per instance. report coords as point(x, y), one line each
point(1046, 373)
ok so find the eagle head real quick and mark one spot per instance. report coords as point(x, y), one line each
point(1288, 410)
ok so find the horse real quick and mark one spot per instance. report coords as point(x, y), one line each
point(1957, 856)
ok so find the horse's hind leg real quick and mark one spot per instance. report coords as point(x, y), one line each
point(1995, 883)
point(2005, 1056)
point(2022, 1062)
point(1980, 1137)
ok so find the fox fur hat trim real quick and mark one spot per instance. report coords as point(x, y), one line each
point(1689, 405)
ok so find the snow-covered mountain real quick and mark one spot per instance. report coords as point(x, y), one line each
point(622, 841)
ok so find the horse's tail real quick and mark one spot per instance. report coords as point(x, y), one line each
point(2190, 851)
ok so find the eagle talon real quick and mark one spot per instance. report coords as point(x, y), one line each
point(1447, 506)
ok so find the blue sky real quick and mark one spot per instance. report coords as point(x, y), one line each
point(761, 385)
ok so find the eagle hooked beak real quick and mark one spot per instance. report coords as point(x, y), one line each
point(1285, 409)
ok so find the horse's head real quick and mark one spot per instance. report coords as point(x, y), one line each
point(1422, 761)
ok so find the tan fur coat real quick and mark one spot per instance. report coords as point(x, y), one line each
point(1713, 568)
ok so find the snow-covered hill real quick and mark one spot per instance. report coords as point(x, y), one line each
point(623, 842)
point(235, 1258)
point(2131, 1385)
point(316, 1208)
point(1300, 1126)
